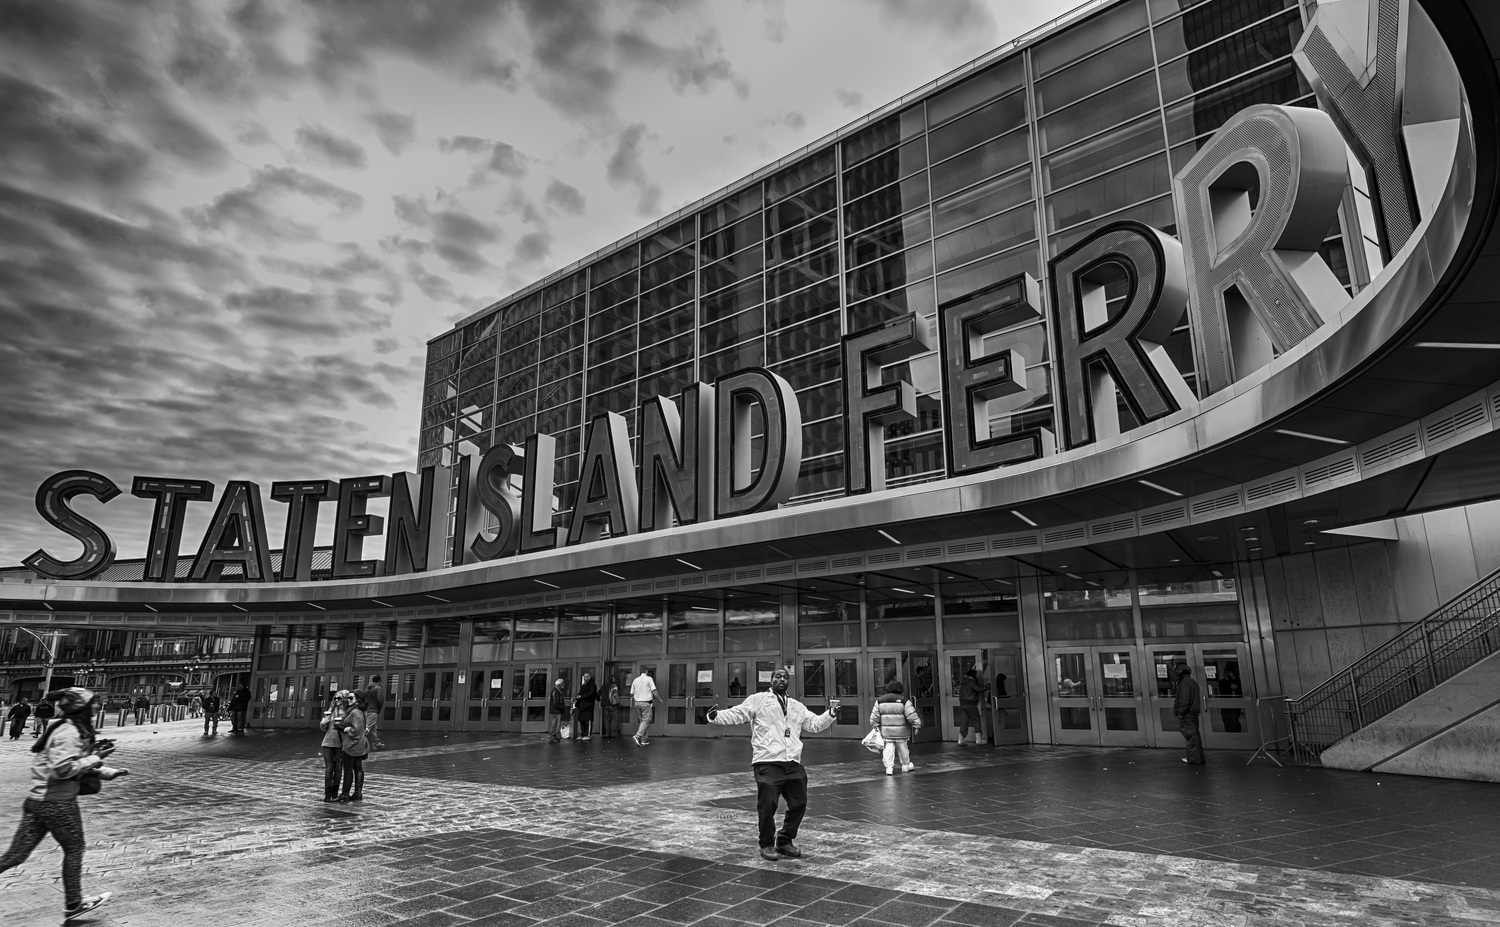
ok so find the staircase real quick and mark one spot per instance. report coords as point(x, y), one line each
point(1425, 702)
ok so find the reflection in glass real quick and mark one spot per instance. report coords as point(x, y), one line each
point(1070, 670)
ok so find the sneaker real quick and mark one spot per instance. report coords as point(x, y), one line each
point(84, 907)
point(584, 737)
point(641, 743)
point(889, 771)
point(908, 767)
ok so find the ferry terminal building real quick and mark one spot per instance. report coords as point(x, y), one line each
point(1162, 335)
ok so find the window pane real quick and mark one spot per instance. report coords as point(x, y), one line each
point(714, 366)
point(668, 239)
point(666, 354)
point(804, 338)
point(1126, 59)
point(957, 283)
point(803, 173)
point(920, 298)
point(996, 118)
point(1203, 22)
point(796, 242)
point(742, 234)
point(986, 199)
point(733, 300)
point(821, 402)
point(730, 270)
point(612, 346)
point(887, 133)
point(890, 273)
point(729, 209)
point(986, 85)
point(562, 340)
point(1104, 152)
point(886, 204)
point(667, 324)
point(991, 158)
point(1221, 61)
point(1088, 36)
point(815, 368)
point(668, 268)
point(801, 207)
point(888, 168)
point(733, 330)
point(673, 294)
point(990, 236)
point(1206, 112)
point(795, 276)
point(803, 304)
point(887, 239)
point(613, 293)
point(1105, 194)
point(1126, 101)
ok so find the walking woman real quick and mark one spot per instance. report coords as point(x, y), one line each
point(63, 755)
point(356, 746)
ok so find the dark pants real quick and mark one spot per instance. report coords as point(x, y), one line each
point(16, 727)
point(774, 781)
point(213, 719)
point(237, 719)
point(333, 767)
point(62, 820)
point(611, 721)
point(354, 775)
point(1188, 724)
point(585, 720)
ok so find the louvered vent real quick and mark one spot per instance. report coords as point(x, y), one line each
point(1212, 504)
point(618, 590)
point(812, 566)
point(973, 547)
point(666, 584)
point(553, 597)
point(1011, 543)
point(1063, 534)
point(1397, 447)
point(692, 581)
point(781, 570)
point(641, 587)
point(1460, 421)
point(1329, 472)
point(720, 577)
point(843, 563)
point(1274, 487)
point(1162, 516)
point(893, 557)
point(747, 574)
point(924, 553)
point(1104, 528)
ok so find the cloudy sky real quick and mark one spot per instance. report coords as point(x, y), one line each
point(227, 229)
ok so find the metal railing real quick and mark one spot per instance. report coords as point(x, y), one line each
point(1417, 660)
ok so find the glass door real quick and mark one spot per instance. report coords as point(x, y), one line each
point(401, 699)
point(1228, 719)
point(692, 687)
point(1097, 698)
point(957, 666)
point(435, 710)
point(1008, 694)
point(484, 706)
point(532, 706)
point(915, 673)
point(834, 676)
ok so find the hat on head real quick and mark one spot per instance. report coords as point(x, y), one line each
point(1184, 670)
point(75, 698)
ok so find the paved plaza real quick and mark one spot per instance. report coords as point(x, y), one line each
point(506, 830)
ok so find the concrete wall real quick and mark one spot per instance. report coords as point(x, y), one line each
point(1328, 608)
point(1452, 731)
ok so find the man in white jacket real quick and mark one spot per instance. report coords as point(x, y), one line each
point(777, 723)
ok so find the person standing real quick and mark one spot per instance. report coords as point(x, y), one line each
point(899, 722)
point(142, 706)
point(63, 756)
point(43, 713)
point(239, 707)
point(374, 704)
point(970, 693)
point(356, 746)
point(332, 746)
point(211, 713)
point(17, 716)
point(643, 694)
point(1187, 706)
point(777, 723)
point(557, 709)
point(583, 704)
point(612, 711)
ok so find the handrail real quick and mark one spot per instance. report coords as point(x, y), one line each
point(1421, 657)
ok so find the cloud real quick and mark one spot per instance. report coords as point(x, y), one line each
point(456, 236)
point(278, 313)
point(849, 99)
point(564, 198)
point(253, 211)
point(330, 148)
point(448, 36)
point(625, 168)
point(966, 19)
point(792, 119)
point(395, 130)
point(496, 157)
point(532, 248)
point(699, 66)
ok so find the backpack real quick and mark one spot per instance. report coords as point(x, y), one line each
point(614, 695)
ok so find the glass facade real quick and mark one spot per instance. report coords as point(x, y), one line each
point(925, 207)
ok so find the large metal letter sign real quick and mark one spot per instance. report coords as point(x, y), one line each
point(414, 532)
point(352, 525)
point(677, 454)
point(606, 483)
point(1353, 53)
point(869, 406)
point(301, 498)
point(737, 489)
point(972, 377)
point(1098, 352)
point(166, 521)
point(1253, 207)
point(235, 536)
point(490, 490)
point(53, 501)
point(537, 501)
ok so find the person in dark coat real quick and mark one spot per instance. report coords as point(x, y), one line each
point(43, 713)
point(557, 710)
point(1187, 707)
point(142, 706)
point(583, 704)
point(17, 716)
point(239, 705)
point(211, 706)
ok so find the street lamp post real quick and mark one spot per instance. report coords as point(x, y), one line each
point(55, 639)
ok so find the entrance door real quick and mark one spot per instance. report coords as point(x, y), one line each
point(435, 708)
point(693, 685)
point(484, 706)
point(956, 667)
point(533, 701)
point(1228, 719)
point(401, 695)
point(837, 676)
point(915, 672)
point(1097, 697)
point(1008, 717)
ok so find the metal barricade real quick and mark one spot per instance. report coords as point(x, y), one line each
point(1275, 728)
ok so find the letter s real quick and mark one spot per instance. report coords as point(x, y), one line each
point(52, 501)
